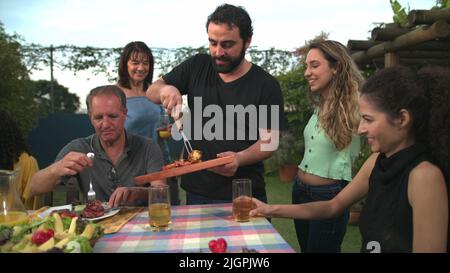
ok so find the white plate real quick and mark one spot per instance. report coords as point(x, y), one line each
point(106, 215)
point(47, 212)
point(79, 208)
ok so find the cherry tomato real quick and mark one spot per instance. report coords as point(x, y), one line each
point(42, 236)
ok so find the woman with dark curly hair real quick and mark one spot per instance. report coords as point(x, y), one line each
point(405, 119)
point(15, 155)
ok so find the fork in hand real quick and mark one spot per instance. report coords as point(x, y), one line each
point(91, 192)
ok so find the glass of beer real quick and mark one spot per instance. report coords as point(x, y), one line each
point(242, 199)
point(164, 126)
point(159, 213)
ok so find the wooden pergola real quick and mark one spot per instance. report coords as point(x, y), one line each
point(425, 40)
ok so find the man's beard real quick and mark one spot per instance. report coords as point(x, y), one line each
point(232, 63)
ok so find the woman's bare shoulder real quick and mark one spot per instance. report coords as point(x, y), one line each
point(426, 171)
point(426, 179)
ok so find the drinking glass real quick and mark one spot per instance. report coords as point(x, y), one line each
point(159, 212)
point(164, 126)
point(242, 199)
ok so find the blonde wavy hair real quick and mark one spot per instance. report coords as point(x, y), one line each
point(339, 113)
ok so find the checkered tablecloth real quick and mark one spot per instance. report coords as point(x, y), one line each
point(192, 228)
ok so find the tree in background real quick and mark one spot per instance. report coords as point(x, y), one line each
point(15, 96)
point(441, 4)
point(297, 111)
point(23, 99)
point(106, 60)
point(63, 100)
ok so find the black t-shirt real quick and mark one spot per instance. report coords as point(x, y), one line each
point(386, 222)
point(215, 127)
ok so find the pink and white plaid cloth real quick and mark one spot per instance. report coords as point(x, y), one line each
point(192, 228)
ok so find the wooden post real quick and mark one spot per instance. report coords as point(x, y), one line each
point(424, 54)
point(432, 46)
point(360, 57)
point(438, 29)
point(419, 17)
point(355, 45)
point(379, 62)
point(391, 59)
point(420, 35)
point(388, 34)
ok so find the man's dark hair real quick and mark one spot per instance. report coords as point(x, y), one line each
point(232, 16)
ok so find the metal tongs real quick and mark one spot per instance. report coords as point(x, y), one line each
point(186, 142)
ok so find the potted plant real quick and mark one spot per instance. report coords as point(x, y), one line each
point(288, 156)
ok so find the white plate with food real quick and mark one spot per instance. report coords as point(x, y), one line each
point(97, 210)
point(48, 211)
point(107, 214)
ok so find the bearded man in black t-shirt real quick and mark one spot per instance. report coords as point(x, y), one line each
point(236, 108)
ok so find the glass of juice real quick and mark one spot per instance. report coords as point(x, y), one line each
point(159, 212)
point(242, 199)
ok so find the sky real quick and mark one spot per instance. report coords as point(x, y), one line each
point(282, 24)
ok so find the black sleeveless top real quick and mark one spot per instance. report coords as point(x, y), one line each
point(386, 218)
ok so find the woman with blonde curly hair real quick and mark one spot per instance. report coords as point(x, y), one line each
point(331, 142)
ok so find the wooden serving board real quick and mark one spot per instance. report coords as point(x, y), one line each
point(115, 223)
point(147, 178)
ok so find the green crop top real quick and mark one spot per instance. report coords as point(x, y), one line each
point(321, 157)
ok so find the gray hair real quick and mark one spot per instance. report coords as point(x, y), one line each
point(107, 90)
